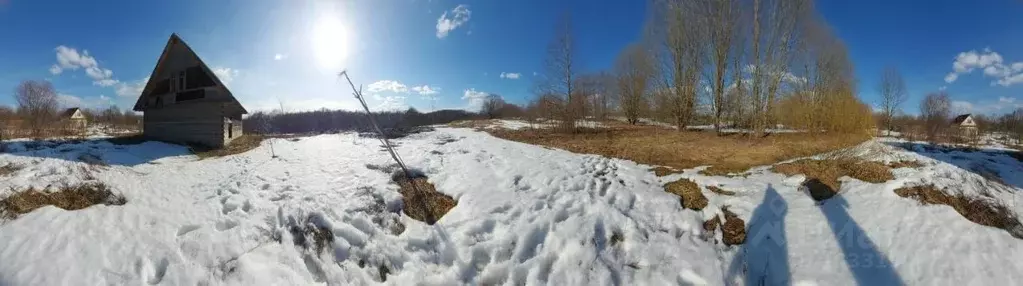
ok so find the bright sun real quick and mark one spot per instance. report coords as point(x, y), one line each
point(330, 43)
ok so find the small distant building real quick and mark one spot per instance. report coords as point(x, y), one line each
point(73, 119)
point(964, 126)
point(185, 102)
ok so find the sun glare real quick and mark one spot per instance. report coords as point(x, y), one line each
point(330, 43)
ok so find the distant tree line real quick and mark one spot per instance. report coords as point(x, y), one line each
point(332, 121)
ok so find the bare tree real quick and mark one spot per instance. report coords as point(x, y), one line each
point(893, 94)
point(776, 34)
point(723, 24)
point(37, 103)
point(934, 110)
point(559, 75)
point(633, 70)
point(492, 106)
point(679, 26)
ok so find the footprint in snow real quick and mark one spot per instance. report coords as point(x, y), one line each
point(185, 229)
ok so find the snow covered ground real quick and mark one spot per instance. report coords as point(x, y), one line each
point(525, 215)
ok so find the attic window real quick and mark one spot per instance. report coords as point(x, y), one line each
point(177, 82)
point(190, 95)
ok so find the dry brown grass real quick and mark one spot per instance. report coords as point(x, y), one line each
point(474, 124)
point(422, 201)
point(312, 233)
point(975, 210)
point(733, 231)
point(662, 171)
point(237, 146)
point(827, 172)
point(689, 193)
point(71, 197)
point(720, 191)
point(10, 168)
point(684, 149)
point(905, 164)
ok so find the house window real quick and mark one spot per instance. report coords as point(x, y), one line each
point(190, 95)
point(181, 80)
point(177, 82)
point(230, 130)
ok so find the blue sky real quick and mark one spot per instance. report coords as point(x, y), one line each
point(442, 54)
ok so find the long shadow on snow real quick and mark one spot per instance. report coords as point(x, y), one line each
point(983, 162)
point(764, 258)
point(115, 151)
point(866, 262)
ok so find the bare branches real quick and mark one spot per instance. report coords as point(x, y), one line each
point(893, 94)
point(37, 103)
point(934, 110)
point(634, 68)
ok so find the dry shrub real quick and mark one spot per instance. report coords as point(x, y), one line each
point(689, 193)
point(975, 210)
point(662, 171)
point(720, 191)
point(905, 164)
point(828, 171)
point(712, 225)
point(237, 146)
point(68, 197)
point(10, 168)
point(422, 201)
point(654, 145)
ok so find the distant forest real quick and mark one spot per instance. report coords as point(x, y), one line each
point(329, 121)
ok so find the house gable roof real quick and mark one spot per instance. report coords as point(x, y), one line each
point(959, 119)
point(175, 40)
point(67, 113)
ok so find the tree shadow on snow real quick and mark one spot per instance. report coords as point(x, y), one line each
point(764, 258)
point(128, 151)
point(868, 265)
point(995, 165)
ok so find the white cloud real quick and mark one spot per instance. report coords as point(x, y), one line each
point(391, 103)
point(991, 63)
point(951, 77)
point(68, 101)
point(511, 75)
point(133, 89)
point(459, 16)
point(474, 98)
point(426, 90)
point(226, 75)
point(279, 56)
point(70, 59)
point(1001, 105)
point(387, 85)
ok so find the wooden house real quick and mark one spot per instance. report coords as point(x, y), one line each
point(185, 102)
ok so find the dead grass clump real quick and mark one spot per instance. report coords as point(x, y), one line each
point(711, 225)
point(720, 191)
point(688, 192)
point(905, 164)
point(828, 171)
point(313, 232)
point(654, 145)
point(422, 201)
point(662, 171)
point(69, 197)
point(975, 210)
point(10, 168)
point(733, 232)
point(237, 146)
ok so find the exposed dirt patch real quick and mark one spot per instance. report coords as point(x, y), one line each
point(827, 172)
point(905, 164)
point(237, 146)
point(68, 197)
point(662, 171)
point(975, 210)
point(733, 232)
point(10, 168)
point(689, 193)
point(654, 145)
point(720, 191)
point(422, 201)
